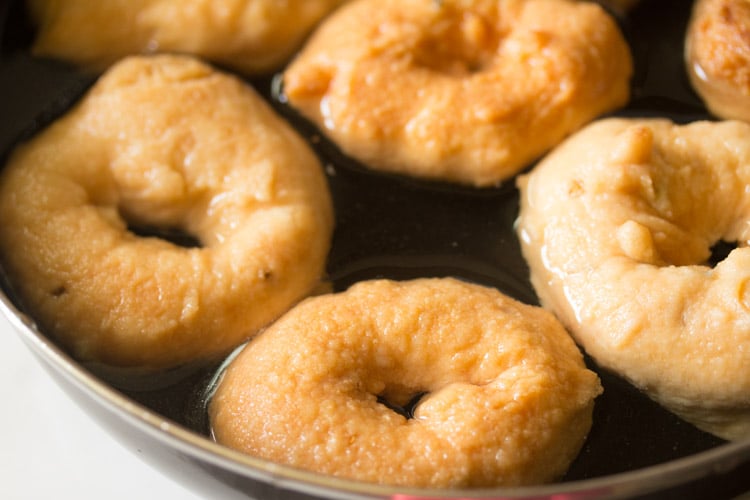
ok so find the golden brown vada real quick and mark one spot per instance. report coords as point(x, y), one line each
point(461, 91)
point(504, 397)
point(163, 142)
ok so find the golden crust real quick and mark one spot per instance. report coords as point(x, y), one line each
point(717, 53)
point(164, 142)
point(251, 36)
point(469, 92)
point(508, 401)
point(617, 226)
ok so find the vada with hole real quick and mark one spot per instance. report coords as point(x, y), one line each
point(163, 142)
point(495, 391)
point(469, 92)
point(617, 225)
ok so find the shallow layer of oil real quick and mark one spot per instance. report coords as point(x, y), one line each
point(389, 226)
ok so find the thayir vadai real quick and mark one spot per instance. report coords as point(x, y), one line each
point(460, 91)
point(504, 397)
point(250, 36)
point(162, 143)
point(717, 54)
point(618, 226)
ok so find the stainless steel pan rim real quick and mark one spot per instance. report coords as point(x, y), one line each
point(639, 482)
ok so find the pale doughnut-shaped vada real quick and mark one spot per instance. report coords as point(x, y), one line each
point(469, 92)
point(250, 36)
point(163, 142)
point(618, 225)
point(504, 395)
point(717, 56)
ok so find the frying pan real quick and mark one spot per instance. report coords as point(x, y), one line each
point(393, 227)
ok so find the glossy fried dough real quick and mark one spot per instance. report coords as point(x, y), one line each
point(717, 53)
point(251, 36)
point(504, 397)
point(617, 226)
point(167, 143)
point(460, 91)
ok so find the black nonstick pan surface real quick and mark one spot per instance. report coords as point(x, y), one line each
point(393, 227)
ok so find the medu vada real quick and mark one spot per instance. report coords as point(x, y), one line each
point(163, 143)
point(250, 36)
point(469, 92)
point(504, 397)
point(618, 225)
point(717, 54)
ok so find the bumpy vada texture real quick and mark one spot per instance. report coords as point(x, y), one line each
point(250, 36)
point(168, 143)
point(469, 92)
point(504, 397)
point(717, 54)
point(618, 225)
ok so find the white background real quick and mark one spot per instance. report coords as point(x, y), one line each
point(50, 449)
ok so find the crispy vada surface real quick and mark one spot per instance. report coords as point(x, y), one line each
point(164, 143)
point(504, 397)
point(618, 225)
point(252, 36)
point(717, 54)
point(460, 91)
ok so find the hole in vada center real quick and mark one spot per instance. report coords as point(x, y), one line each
point(720, 251)
point(457, 48)
point(405, 410)
point(173, 235)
